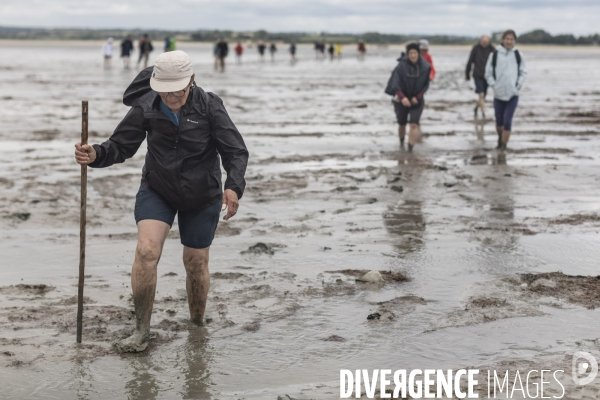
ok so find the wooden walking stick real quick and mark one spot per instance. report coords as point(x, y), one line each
point(82, 220)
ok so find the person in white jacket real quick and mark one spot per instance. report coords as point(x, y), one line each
point(107, 52)
point(505, 72)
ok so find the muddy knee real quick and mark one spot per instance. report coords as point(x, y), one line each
point(196, 264)
point(147, 253)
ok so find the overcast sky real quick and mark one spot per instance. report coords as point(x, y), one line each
point(462, 17)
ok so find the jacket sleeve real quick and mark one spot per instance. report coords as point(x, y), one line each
point(522, 73)
point(395, 80)
point(431, 69)
point(124, 142)
point(470, 63)
point(489, 73)
point(230, 146)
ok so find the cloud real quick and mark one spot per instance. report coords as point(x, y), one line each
point(461, 17)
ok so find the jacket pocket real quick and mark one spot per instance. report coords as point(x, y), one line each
point(213, 180)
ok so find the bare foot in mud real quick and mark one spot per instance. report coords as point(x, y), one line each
point(135, 343)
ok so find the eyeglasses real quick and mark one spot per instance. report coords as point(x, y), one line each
point(177, 94)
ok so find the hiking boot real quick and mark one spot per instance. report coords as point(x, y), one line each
point(499, 142)
point(503, 147)
point(410, 148)
point(402, 142)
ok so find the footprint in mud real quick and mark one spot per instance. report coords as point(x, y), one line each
point(360, 274)
point(334, 338)
point(228, 275)
point(27, 289)
point(392, 309)
point(251, 326)
point(258, 249)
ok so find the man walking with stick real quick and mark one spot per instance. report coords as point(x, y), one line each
point(477, 60)
point(186, 131)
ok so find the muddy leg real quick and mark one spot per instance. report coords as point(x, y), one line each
point(413, 134)
point(499, 130)
point(505, 137)
point(151, 238)
point(401, 134)
point(481, 104)
point(197, 281)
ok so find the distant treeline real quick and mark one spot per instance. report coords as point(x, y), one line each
point(537, 36)
point(540, 36)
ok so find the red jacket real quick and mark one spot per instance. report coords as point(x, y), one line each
point(428, 58)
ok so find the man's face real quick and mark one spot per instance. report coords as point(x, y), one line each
point(413, 55)
point(509, 41)
point(485, 41)
point(176, 100)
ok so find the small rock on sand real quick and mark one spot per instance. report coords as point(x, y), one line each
point(374, 316)
point(543, 282)
point(371, 276)
point(397, 188)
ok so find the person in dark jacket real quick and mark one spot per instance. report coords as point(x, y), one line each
point(408, 84)
point(186, 130)
point(261, 50)
point(146, 48)
point(126, 48)
point(477, 60)
point(222, 53)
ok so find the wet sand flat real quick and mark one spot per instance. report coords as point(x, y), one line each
point(490, 246)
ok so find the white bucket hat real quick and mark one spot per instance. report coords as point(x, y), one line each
point(424, 44)
point(172, 72)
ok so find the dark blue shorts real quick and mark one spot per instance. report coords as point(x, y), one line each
point(505, 110)
point(196, 228)
point(481, 85)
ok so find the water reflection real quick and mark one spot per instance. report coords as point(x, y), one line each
point(405, 219)
point(83, 380)
point(196, 373)
point(143, 385)
point(495, 218)
point(149, 380)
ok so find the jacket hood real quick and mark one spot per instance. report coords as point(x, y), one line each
point(421, 63)
point(138, 87)
point(139, 93)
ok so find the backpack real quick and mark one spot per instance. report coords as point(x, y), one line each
point(495, 61)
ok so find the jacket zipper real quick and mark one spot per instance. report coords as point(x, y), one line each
point(181, 194)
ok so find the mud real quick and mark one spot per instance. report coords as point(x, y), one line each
point(525, 295)
point(581, 290)
point(388, 276)
point(470, 249)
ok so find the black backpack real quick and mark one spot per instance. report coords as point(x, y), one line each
point(495, 61)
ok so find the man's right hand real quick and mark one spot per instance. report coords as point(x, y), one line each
point(84, 154)
point(406, 102)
